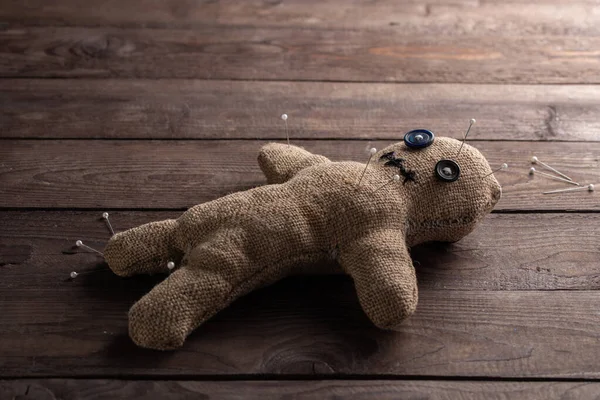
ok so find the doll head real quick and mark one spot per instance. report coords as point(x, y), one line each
point(448, 189)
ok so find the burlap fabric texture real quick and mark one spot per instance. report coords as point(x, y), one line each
point(312, 210)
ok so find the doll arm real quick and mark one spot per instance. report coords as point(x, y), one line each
point(383, 275)
point(280, 162)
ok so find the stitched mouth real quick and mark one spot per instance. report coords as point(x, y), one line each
point(397, 162)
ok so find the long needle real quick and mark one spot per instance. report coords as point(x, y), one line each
point(284, 117)
point(105, 217)
point(79, 243)
point(532, 171)
point(372, 152)
point(395, 178)
point(589, 187)
point(503, 166)
point(535, 160)
point(471, 122)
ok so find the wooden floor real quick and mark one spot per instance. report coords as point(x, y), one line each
point(143, 108)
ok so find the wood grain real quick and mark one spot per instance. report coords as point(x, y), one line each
point(305, 327)
point(197, 109)
point(284, 53)
point(506, 251)
point(105, 389)
point(180, 174)
point(448, 17)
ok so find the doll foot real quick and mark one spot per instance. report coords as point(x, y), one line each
point(156, 326)
point(143, 250)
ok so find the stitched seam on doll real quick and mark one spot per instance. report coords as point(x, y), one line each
point(442, 223)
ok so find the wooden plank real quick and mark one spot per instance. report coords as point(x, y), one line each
point(225, 52)
point(100, 389)
point(241, 110)
point(506, 251)
point(455, 17)
point(180, 174)
point(308, 327)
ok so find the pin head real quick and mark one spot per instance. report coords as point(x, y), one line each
point(73, 275)
point(284, 117)
point(170, 265)
point(372, 151)
point(105, 215)
point(396, 178)
point(534, 160)
point(79, 243)
point(591, 187)
point(504, 166)
point(531, 171)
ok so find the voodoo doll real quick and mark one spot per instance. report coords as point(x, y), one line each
point(312, 210)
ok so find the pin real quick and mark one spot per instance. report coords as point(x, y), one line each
point(532, 171)
point(471, 122)
point(79, 243)
point(589, 188)
point(170, 265)
point(395, 178)
point(535, 160)
point(287, 135)
point(372, 152)
point(105, 217)
point(75, 274)
point(503, 166)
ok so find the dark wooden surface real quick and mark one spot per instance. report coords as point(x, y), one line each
point(529, 251)
point(178, 174)
point(282, 53)
point(206, 109)
point(157, 106)
point(51, 389)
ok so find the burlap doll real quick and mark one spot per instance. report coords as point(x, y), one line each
point(313, 209)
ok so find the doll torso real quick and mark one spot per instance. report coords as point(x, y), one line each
point(302, 220)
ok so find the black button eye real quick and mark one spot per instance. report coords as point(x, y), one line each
point(447, 170)
point(419, 138)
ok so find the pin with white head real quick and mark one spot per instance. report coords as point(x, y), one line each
point(105, 218)
point(395, 178)
point(589, 188)
point(372, 152)
point(75, 274)
point(79, 243)
point(284, 117)
point(502, 167)
point(471, 123)
point(170, 265)
point(535, 160)
point(533, 171)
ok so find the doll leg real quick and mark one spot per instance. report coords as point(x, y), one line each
point(148, 248)
point(145, 249)
point(211, 280)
